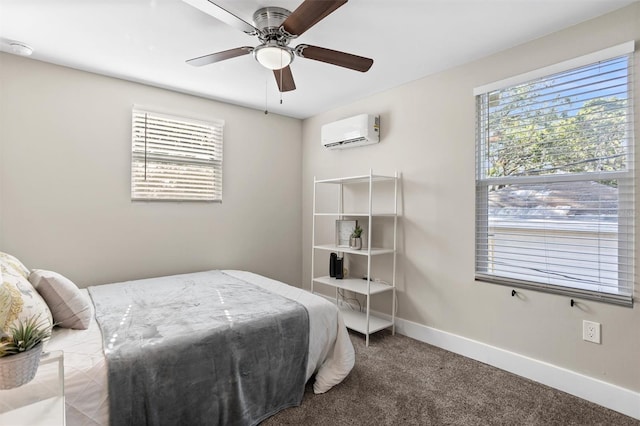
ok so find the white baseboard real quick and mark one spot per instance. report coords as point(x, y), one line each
point(597, 391)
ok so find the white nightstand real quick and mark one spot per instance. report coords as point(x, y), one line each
point(39, 402)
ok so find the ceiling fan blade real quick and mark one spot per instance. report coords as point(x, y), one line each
point(218, 12)
point(309, 13)
point(341, 59)
point(284, 78)
point(220, 56)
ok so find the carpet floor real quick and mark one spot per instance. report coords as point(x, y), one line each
point(401, 381)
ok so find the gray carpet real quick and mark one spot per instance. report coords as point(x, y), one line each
point(400, 381)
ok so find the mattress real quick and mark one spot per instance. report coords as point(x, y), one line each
point(331, 354)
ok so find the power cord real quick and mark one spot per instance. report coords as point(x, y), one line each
point(379, 281)
point(346, 300)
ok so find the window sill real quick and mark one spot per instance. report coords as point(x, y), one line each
point(615, 299)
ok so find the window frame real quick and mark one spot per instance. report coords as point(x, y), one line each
point(214, 131)
point(625, 178)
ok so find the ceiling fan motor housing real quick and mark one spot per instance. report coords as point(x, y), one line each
point(269, 20)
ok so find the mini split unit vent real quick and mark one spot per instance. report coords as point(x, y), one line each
point(354, 131)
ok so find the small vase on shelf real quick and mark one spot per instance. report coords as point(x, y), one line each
point(355, 242)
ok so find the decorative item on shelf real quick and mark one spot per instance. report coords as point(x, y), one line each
point(332, 264)
point(355, 242)
point(20, 351)
point(343, 231)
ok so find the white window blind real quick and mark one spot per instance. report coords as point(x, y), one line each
point(555, 183)
point(175, 158)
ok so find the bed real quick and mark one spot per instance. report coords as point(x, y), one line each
point(329, 357)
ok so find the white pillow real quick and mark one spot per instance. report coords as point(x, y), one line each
point(70, 308)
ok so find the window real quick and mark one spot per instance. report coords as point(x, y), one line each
point(554, 182)
point(175, 158)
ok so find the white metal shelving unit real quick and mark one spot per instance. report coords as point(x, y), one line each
point(362, 322)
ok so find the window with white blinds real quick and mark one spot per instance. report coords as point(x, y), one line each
point(555, 179)
point(175, 158)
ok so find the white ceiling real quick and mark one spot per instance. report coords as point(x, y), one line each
point(149, 40)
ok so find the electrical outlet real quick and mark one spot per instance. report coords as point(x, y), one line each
point(591, 331)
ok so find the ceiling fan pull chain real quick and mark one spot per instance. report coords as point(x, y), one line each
point(266, 94)
point(281, 79)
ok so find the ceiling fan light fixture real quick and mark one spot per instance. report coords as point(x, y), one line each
point(273, 57)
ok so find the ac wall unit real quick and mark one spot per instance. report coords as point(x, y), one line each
point(360, 130)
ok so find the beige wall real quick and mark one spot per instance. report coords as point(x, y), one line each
point(428, 135)
point(65, 140)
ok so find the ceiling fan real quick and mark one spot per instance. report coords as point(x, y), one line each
point(275, 27)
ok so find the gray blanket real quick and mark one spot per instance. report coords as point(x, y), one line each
point(200, 349)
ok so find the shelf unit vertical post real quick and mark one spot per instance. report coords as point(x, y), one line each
point(369, 253)
point(395, 251)
point(341, 212)
point(313, 233)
